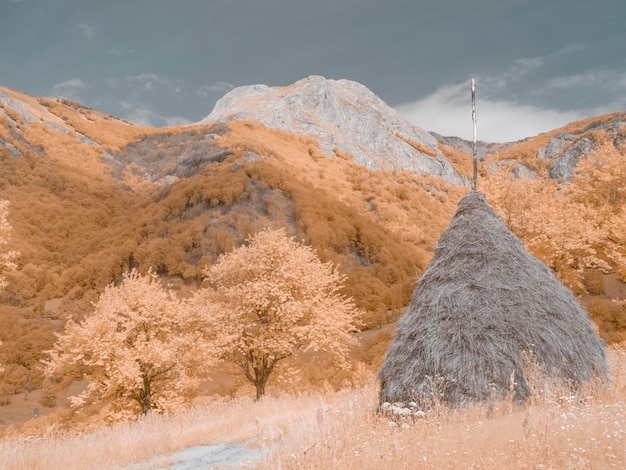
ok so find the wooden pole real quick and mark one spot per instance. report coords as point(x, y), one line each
point(474, 134)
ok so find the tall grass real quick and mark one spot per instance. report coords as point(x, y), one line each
point(560, 428)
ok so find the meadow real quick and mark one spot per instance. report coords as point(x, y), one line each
point(558, 428)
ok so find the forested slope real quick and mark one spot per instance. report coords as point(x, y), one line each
point(92, 197)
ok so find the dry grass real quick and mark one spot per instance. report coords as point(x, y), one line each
point(222, 421)
point(559, 429)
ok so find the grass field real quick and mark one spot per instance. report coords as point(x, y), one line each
point(558, 429)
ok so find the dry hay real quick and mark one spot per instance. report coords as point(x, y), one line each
point(480, 309)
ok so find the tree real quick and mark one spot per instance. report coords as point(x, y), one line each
point(138, 350)
point(271, 298)
point(574, 226)
point(6, 257)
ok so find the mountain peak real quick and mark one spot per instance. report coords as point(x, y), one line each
point(342, 115)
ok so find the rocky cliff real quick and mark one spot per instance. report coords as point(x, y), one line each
point(565, 149)
point(343, 116)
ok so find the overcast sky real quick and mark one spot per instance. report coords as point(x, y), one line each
point(539, 64)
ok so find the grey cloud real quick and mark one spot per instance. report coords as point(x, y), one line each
point(118, 52)
point(87, 29)
point(591, 78)
point(207, 91)
point(149, 82)
point(447, 111)
point(68, 89)
point(146, 116)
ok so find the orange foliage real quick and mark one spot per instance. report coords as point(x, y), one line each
point(575, 226)
point(271, 298)
point(460, 160)
point(610, 316)
point(78, 229)
point(106, 130)
point(80, 221)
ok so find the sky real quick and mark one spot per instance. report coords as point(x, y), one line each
point(538, 64)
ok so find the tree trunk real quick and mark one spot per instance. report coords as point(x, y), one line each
point(144, 398)
point(258, 371)
point(146, 403)
point(260, 390)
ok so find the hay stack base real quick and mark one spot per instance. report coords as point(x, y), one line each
point(482, 305)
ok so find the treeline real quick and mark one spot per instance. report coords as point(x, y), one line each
point(577, 228)
point(79, 229)
point(79, 223)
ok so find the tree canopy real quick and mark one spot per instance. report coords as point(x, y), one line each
point(570, 227)
point(271, 298)
point(6, 257)
point(137, 350)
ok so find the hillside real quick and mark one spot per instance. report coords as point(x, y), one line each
point(92, 196)
point(343, 116)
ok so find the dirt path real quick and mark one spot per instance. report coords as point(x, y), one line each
point(204, 457)
point(220, 455)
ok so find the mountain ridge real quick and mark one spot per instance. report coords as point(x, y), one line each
point(343, 115)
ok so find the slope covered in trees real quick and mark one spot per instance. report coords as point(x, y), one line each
point(92, 197)
point(83, 214)
point(578, 228)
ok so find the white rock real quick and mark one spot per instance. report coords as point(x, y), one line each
point(339, 114)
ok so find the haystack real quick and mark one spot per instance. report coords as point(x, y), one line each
point(482, 307)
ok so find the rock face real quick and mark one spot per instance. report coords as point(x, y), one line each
point(483, 149)
point(7, 100)
point(13, 152)
point(555, 146)
point(521, 171)
point(565, 152)
point(562, 167)
point(565, 149)
point(343, 115)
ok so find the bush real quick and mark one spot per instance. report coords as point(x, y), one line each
point(610, 317)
